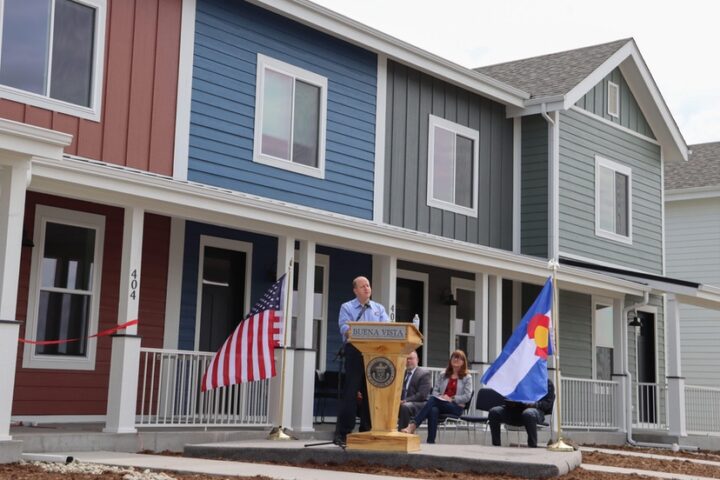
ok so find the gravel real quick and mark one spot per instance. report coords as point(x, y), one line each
point(128, 473)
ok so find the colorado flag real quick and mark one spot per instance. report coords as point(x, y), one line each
point(520, 372)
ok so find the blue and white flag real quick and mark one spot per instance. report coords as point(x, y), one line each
point(520, 372)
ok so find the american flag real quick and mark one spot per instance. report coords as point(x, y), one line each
point(248, 354)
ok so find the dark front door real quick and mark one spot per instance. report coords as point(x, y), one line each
point(223, 294)
point(409, 301)
point(647, 368)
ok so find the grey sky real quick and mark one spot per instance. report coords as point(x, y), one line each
point(679, 40)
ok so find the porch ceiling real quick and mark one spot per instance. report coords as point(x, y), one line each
point(124, 187)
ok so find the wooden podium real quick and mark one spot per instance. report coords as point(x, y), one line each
point(384, 347)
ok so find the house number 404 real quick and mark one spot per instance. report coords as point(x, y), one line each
point(133, 284)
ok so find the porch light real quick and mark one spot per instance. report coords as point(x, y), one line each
point(27, 241)
point(634, 319)
point(450, 299)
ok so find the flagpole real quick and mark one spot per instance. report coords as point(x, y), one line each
point(278, 433)
point(559, 445)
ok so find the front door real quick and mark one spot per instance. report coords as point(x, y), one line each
point(222, 298)
point(646, 365)
point(409, 300)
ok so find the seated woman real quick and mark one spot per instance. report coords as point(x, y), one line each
point(452, 391)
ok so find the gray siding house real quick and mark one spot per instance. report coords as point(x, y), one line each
point(692, 213)
point(594, 137)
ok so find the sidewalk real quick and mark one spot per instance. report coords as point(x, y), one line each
point(213, 467)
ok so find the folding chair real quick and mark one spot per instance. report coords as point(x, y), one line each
point(521, 428)
point(448, 419)
point(487, 398)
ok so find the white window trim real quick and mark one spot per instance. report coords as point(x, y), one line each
point(461, 284)
point(321, 261)
point(93, 112)
point(627, 171)
point(264, 63)
point(613, 110)
point(226, 244)
point(43, 215)
point(606, 302)
point(466, 132)
point(425, 279)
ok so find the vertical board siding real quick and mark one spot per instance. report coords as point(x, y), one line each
point(581, 138)
point(534, 190)
point(76, 392)
point(412, 97)
point(264, 262)
point(137, 121)
point(575, 347)
point(596, 101)
point(229, 36)
point(693, 252)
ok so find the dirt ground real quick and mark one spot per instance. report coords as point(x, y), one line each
point(30, 472)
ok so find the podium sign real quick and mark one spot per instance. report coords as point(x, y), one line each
point(384, 347)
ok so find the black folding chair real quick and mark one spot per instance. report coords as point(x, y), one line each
point(448, 419)
point(487, 398)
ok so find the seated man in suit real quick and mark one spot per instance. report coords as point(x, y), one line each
point(517, 413)
point(416, 388)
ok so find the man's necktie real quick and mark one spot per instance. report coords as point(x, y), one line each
point(405, 384)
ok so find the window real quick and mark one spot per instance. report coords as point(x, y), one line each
point(603, 333)
point(452, 166)
point(290, 106)
point(613, 200)
point(463, 316)
point(64, 289)
point(51, 54)
point(613, 99)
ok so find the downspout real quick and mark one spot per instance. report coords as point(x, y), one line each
point(553, 178)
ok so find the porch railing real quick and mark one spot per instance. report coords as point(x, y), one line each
point(169, 393)
point(589, 404)
point(702, 413)
point(649, 409)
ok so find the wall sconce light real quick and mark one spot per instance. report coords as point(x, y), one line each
point(449, 299)
point(634, 319)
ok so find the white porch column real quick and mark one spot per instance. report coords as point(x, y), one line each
point(384, 282)
point(281, 394)
point(620, 356)
point(494, 317)
point(13, 185)
point(481, 323)
point(125, 359)
point(304, 378)
point(676, 382)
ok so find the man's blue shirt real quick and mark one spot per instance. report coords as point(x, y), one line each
point(349, 312)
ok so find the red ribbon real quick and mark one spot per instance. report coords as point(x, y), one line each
point(104, 333)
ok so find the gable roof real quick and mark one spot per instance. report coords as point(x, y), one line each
point(558, 80)
point(701, 170)
point(553, 74)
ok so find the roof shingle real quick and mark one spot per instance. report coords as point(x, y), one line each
point(555, 73)
point(701, 170)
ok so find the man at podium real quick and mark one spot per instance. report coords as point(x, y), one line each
point(360, 309)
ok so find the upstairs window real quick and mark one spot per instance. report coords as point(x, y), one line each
point(613, 200)
point(51, 54)
point(290, 106)
point(452, 167)
point(613, 106)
